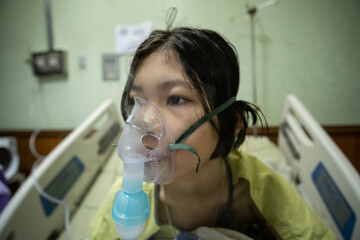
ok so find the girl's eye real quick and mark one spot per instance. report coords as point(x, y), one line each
point(175, 100)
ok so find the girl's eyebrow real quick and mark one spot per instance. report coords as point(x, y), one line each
point(171, 84)
point(162, 86)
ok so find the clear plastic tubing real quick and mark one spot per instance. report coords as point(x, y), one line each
point(131, 204)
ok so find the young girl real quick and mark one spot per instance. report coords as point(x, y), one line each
point(187, 73)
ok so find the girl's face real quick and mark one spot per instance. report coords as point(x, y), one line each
point(161, 81)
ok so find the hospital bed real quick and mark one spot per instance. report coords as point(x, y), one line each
point(81, 169)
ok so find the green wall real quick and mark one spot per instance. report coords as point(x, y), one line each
point(310, 48)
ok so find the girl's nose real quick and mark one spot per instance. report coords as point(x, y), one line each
point(153, 119)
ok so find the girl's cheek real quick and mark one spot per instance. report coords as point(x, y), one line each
point(177, 126)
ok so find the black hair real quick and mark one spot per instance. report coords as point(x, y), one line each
point(211, 65)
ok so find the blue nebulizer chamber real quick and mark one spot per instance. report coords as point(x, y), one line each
point(131, 205)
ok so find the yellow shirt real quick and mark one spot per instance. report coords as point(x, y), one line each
point(277, 200)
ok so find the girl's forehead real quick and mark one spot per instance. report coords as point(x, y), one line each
point(160, 70)
point(161, 59)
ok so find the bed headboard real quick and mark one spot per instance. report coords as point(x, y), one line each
point(323, 174)
point(66, 173)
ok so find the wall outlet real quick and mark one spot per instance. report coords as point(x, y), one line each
point(49, 63)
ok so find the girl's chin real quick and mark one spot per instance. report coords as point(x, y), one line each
point(168, 181)
point(179, 176)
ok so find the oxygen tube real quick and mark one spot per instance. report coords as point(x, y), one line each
point(147, 149)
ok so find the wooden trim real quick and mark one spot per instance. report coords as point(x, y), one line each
point(46, 141)
point(43, 133)
point(346, 137)
point(331, 130)
point(270, 131)
point(350, 130)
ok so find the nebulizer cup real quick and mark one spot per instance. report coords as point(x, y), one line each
point(144, 149)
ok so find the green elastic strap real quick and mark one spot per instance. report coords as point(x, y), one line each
point(187, 148)
point(197, 124)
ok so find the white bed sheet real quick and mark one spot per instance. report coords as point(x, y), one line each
point(263, 148)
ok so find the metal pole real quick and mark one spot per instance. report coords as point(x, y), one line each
point(252, 12)
point(49, 25)
point(253, 52)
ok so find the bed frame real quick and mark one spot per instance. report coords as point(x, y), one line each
point(324, 176)
point(66, 173)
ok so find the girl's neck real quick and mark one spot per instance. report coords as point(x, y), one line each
point(209, 177)
point(195, 200)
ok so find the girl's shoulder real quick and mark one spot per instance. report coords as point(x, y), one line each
point(277, 199)
point(248, 167)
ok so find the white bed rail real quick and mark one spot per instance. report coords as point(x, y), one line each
point(325, 177)
point(66, 173)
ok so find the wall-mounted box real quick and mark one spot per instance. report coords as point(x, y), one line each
point(49, 63)
point(110, 63)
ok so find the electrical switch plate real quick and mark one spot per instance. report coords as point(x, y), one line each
point(110, 66)
point(82, 62)
point(49, 63)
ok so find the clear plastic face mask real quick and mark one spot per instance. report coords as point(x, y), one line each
point(146, 138)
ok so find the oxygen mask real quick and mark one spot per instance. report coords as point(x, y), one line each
point(145, 139)
point(144, 149)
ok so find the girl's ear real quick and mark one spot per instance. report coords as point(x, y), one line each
point(238, 125)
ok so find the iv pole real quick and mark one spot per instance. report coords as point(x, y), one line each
point(252, 11)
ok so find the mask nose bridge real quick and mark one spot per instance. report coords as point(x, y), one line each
point(151, 116)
